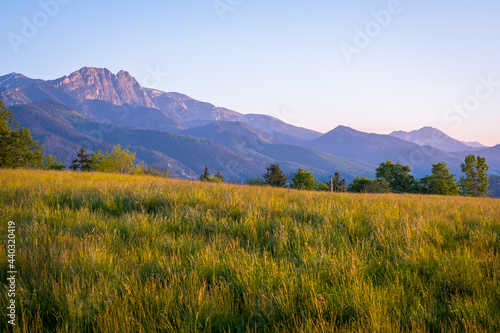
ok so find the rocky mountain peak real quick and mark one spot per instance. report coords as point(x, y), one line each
point(90, 83)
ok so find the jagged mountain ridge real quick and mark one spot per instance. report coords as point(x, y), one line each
point(82, 89)
point(100, 84)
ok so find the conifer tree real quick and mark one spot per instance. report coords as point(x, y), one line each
point(274, 176)
point(82, 162)
point(442, 181)
point(205, 177)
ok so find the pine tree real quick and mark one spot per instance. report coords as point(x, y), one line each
point(441, 182)
point(274, 176)
point(205, 177)
point(82, 162)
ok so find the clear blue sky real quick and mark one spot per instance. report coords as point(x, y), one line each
point(284, 58)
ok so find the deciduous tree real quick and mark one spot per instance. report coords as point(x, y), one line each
point(398, 176)
point(17, 147)
point(51, 163)
point(365, 185)
point(118, 161)
point(475, 182)
point(303, 180)
point(218, 177)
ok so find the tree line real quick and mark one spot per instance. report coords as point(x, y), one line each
point(393, 177)
point(19, 150)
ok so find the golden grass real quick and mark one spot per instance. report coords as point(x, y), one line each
point(118, 253)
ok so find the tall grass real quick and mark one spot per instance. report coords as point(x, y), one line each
point(115, 253)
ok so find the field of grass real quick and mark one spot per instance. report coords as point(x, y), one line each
point(113, 253)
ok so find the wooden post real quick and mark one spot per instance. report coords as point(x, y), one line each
point(331, 183)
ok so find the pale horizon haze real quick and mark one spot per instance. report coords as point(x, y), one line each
point(375, 66)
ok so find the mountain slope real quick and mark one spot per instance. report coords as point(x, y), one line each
point(373, 149)
point(267, 149)
point(54, 123)
point(13, 97)
point(16, 80)
point(230, 133)
point(193, 113)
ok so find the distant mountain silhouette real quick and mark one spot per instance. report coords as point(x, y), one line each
point(429, 136)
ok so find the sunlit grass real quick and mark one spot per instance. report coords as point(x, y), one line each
point(113, 253)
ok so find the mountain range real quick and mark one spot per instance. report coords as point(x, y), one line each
point(97, 109)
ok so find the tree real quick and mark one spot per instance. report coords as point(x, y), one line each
point(51, 163)
point(338, 185)
point(475, 182)
point(17, 147)
point(441, 181)
point(82, 162)
point(255, 181)
point(398, 176)
point(320, 186)
point(154, 170)
point(365, 185)
point(218, 177)
point(205, 177)
point(303, 180)
point(118, 161)
point(274, 176)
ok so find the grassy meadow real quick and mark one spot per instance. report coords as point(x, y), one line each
point(117, 253)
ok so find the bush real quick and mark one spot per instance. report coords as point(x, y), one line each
point(365, 185)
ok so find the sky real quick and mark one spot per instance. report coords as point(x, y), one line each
point(376, 66)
